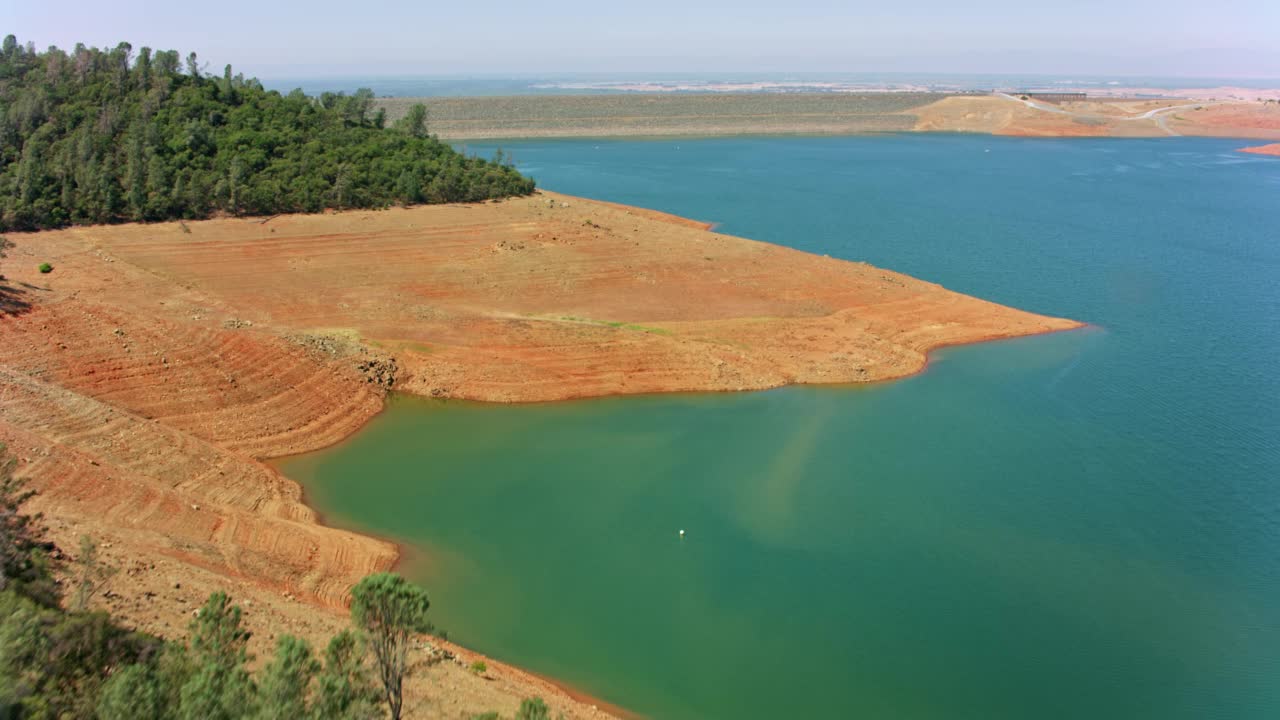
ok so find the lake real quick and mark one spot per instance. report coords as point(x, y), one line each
point(1079, 525)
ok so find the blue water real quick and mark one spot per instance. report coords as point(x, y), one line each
point(1082, 525)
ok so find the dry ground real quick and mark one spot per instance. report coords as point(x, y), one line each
point(637, 114)
point(1272, 149)
point(1111, 118)
point(1242, 120)
point(144, 380)
point(648, 114)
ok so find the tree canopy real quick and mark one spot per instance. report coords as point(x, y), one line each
point(390, 610)
point(111, 135)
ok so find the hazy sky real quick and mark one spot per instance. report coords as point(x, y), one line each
point(1137, 37)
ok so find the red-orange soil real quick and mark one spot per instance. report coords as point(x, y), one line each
point(144, 380)
point(1232, 120)
point(1272, 149)
point(1098, 117)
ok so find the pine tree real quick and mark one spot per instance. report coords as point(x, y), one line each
point(415, 121)
point(87, 138)
point(219, 687)
point(134, 693)
point(345, 689)
point(390, 610)
point(284, 683)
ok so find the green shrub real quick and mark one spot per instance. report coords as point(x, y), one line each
point(533, 709)
point(46, 268)
point(478, 667)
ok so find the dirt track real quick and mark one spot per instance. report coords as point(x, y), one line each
point(158, 364)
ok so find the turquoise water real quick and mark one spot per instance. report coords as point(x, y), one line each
point(1082, 525)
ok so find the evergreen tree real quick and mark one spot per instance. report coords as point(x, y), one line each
point(96, 136)
point(345, 689)
point(22, 644)
point(137, 692)
point(284, 683)
point(5, 245)
point(219, 687)
point(150, 690)
point(415, 121)
point(390, 610)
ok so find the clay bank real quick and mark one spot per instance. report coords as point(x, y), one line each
point(145, 379)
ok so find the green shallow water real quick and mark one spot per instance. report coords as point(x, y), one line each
point(1080, 525)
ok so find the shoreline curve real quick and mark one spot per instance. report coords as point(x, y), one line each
point(200, 351)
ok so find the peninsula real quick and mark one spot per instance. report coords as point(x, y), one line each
point(145, 379)
point(201, 275)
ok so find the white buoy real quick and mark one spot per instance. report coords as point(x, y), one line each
point(682, 534)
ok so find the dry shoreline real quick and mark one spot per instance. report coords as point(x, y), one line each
point(159, 366)
point(1221, 112)
point(1273, 150)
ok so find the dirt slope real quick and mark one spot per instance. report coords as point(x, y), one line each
point(135, 407)
point(553, 297)
point(1100, 118)
point(142, 381)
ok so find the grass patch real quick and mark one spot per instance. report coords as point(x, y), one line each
point(617, 324)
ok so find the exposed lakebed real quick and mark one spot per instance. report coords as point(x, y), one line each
point(1084, 524)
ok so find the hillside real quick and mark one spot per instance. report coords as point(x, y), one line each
point(643, 114)
point(835, 113)
point(103, 136)
point(143, 375)
point(144, 380)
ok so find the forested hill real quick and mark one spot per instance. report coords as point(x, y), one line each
point(98, 136)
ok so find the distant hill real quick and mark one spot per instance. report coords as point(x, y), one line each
point(676, 113)
point(102, 136)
